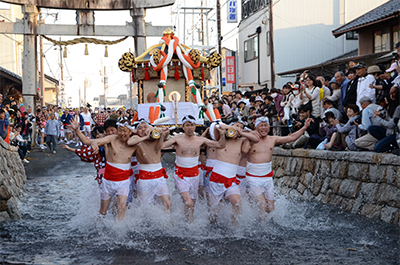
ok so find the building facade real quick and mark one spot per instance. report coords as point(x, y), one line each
point(302, 36)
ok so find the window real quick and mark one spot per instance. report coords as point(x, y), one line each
point(251, 49)
point(396, 35)
point(351, 35)
point(268, 44)
point(381, 41)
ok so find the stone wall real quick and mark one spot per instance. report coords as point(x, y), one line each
point(12, 181)
point(364, 183)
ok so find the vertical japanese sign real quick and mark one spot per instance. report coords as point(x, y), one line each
point(230, 70)
point(232, 11)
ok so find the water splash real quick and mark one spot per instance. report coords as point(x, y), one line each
point(61, 225)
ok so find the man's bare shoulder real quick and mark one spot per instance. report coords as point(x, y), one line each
point(267, 140)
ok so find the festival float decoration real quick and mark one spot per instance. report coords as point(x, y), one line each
point(167, 72)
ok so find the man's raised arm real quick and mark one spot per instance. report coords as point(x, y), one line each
point(136, 139)
point(103, 141)
point(246, 146)
point(221, 142)
point(75, 127)
point(294, 136)
point(169, 142)
point(251, 136)
point(164, 134)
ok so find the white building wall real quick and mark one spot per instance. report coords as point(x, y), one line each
point(11, 46)
point(303, 34)
point(248, 71)
point(303, 31)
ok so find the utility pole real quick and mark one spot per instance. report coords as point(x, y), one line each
point(41, 67)
point(202, 25)
point(85, 84)
point(105, 82)
point(79, 104)
point(130, 86)
point(271, 34)
point(61, 77)
point(219, 43)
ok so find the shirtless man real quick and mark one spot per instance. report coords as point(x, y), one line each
point(151, 180)
point(259, 170)
point(186, 164)
point(223, 182)
point(118, 166)
point(241, 170)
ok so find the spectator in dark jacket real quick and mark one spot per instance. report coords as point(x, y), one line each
point(3, 129)
point(304, 114)
point(351, 93)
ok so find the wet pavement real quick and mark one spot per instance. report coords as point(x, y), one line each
point(61, 225)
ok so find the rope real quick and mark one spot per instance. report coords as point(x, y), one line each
point(84, 40)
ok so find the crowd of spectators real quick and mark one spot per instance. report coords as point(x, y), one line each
point(49, 125)
point(356, 109)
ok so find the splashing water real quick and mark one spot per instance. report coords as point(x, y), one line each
point(61, 225)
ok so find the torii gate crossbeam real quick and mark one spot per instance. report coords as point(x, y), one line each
point(30, 28)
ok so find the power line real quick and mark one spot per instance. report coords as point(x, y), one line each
point(66, 67)
point(48, 65)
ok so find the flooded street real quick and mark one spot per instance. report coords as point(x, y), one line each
point(61, 225)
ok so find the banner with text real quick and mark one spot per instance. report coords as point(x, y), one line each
point(232, 11)
point(230, 70)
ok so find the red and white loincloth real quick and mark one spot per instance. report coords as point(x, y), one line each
point(187, 175)
point(259, 179)
point(223, 182)
point(202, 172)
point(87, 119)
point(132, 179)
point(241, 175)
point(115, 180)
point(151, 182)
point(207, 174)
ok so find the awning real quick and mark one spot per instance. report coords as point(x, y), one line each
point(330, 67)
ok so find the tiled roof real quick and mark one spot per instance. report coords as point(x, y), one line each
point(382, 12)
point(4, 70)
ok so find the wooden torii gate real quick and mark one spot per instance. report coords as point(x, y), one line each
point(85, 26)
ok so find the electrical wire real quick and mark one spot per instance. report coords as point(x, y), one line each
point(66, 67)
point(48, 65)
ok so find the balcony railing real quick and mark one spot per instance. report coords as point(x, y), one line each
point(249, 7)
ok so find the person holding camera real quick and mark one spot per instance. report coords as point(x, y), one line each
point(367, 141)
point(384, 132)
point(347, 134)
point(313, 129)
point(310, 94)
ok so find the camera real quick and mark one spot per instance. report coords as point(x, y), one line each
point(358, 121)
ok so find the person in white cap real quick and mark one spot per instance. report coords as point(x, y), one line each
point(259, 169)
point(186, 164)
point(119, 151)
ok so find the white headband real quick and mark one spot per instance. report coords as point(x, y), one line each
point(186, 118)
point(125, 124)
point(261, 119)
point(137, 123)
point(211, 131)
